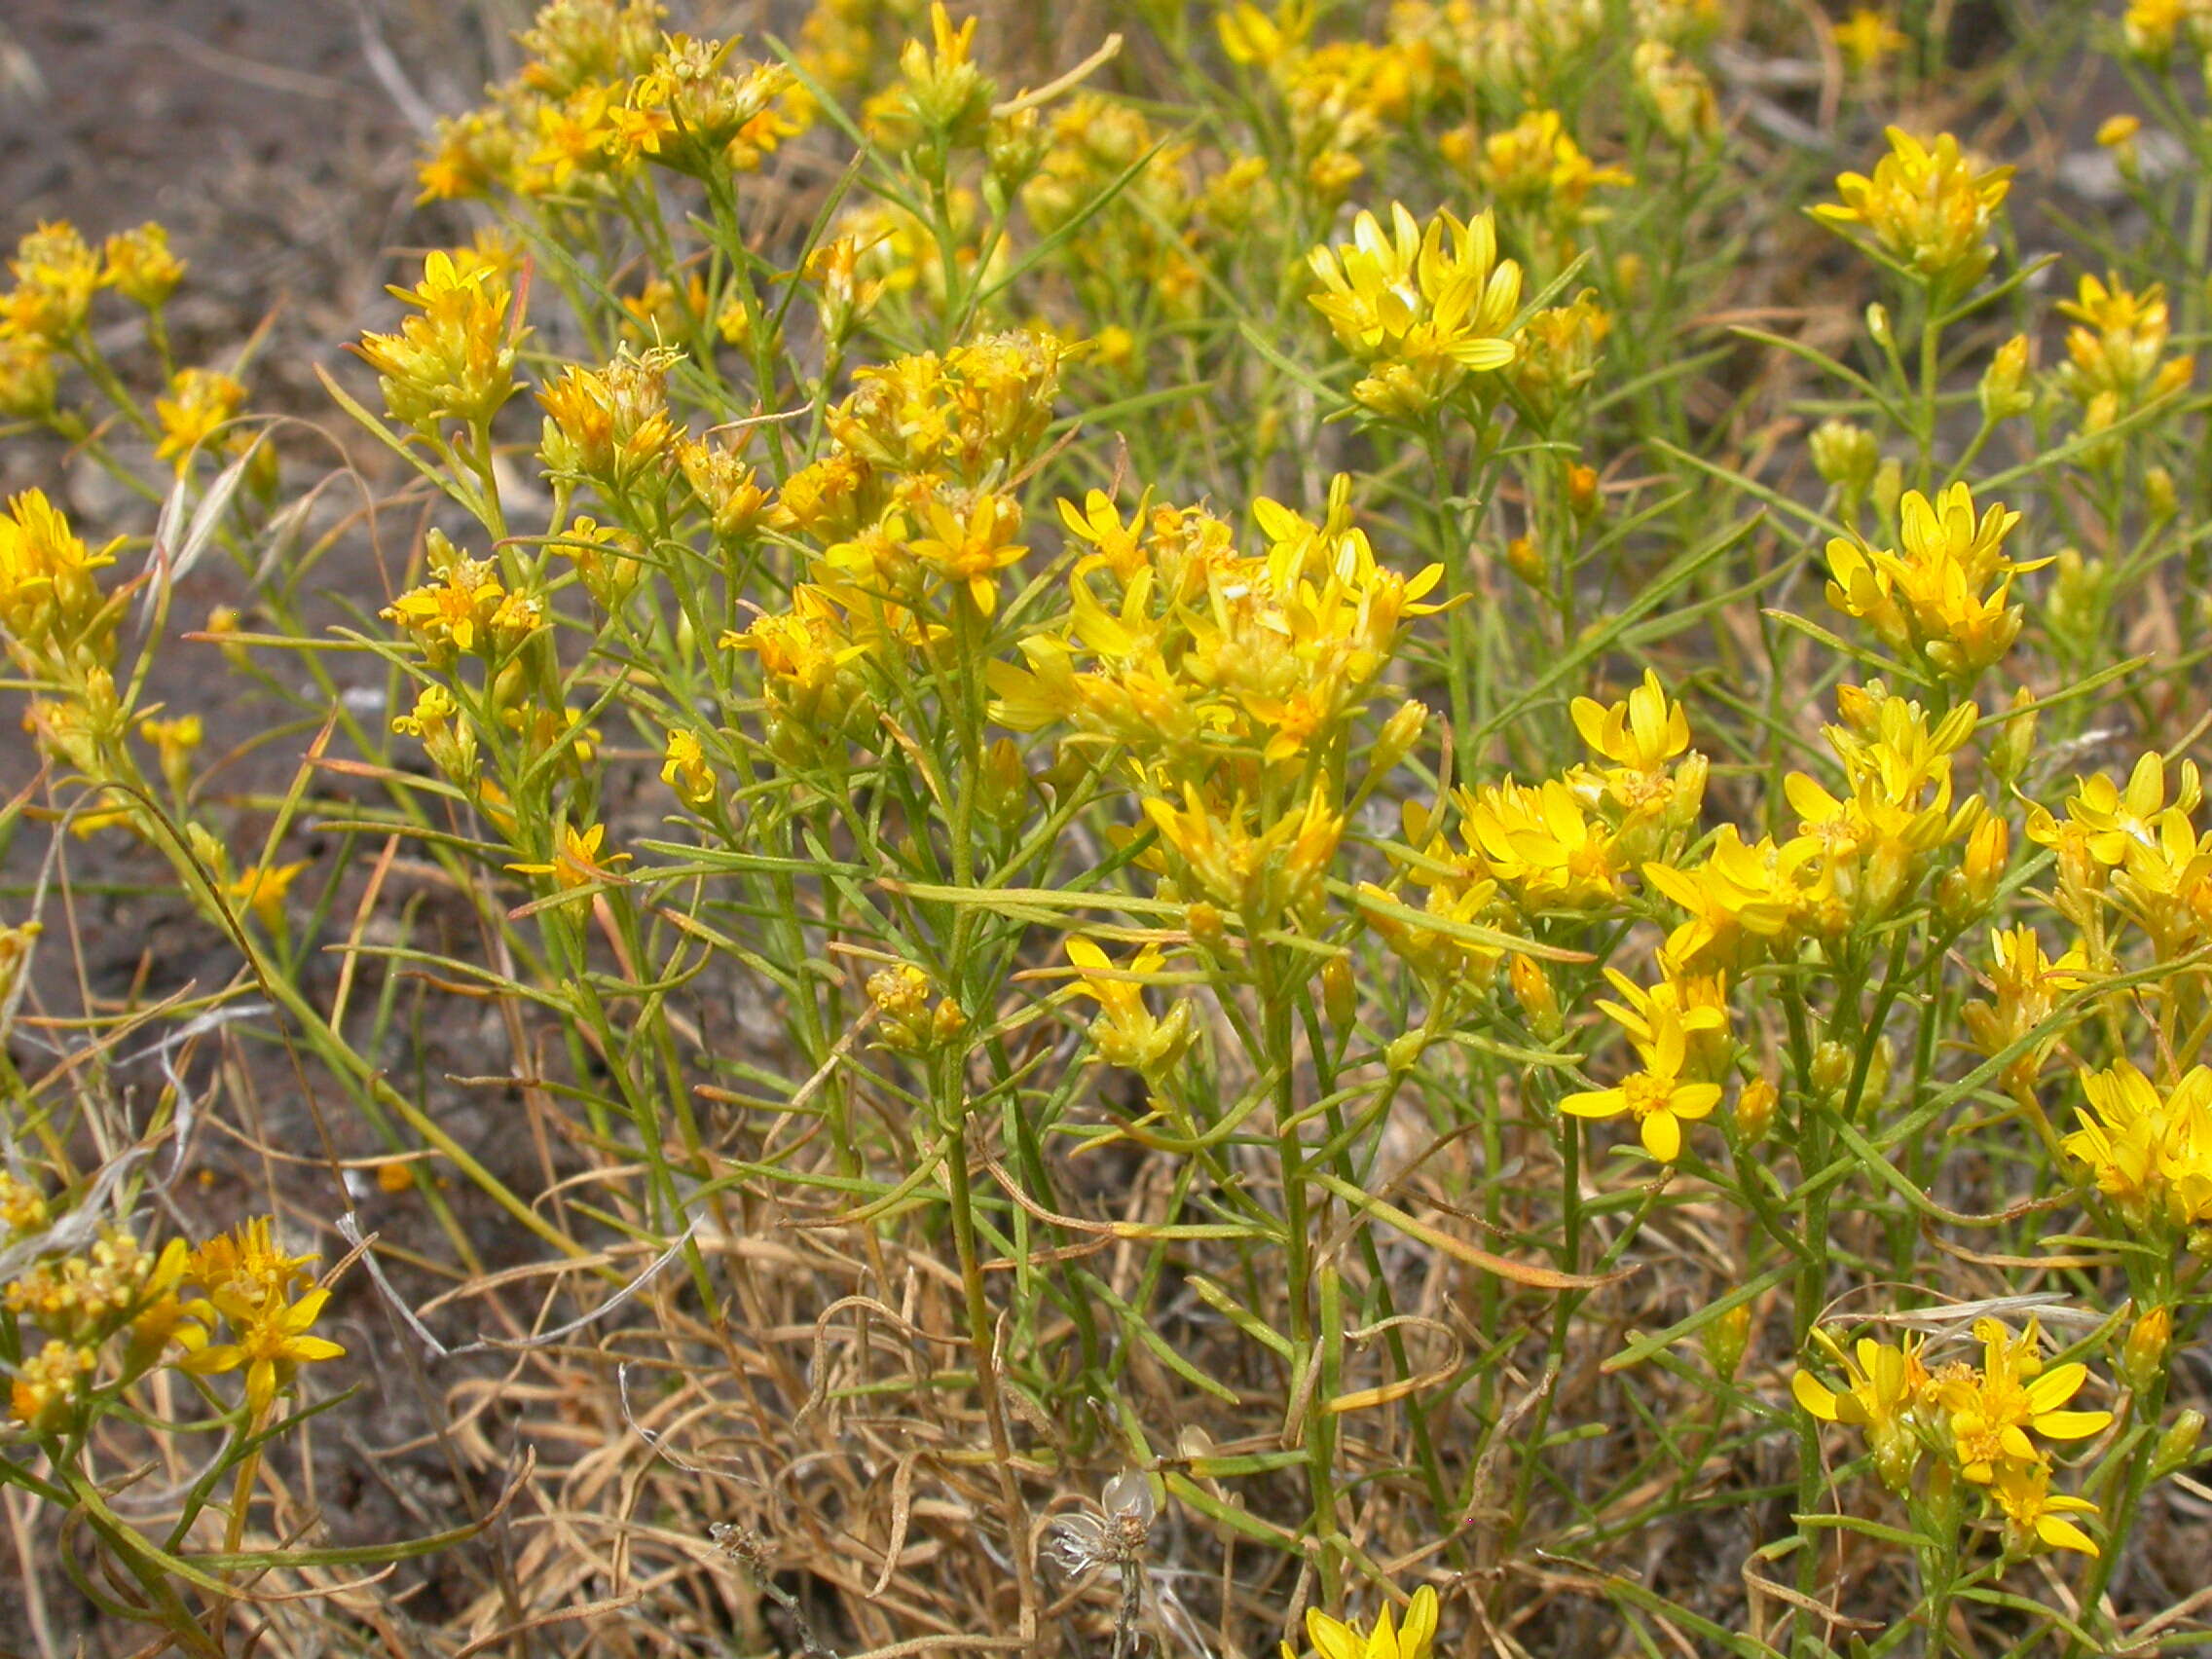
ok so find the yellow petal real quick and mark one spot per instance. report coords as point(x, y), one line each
point(1816, 1396)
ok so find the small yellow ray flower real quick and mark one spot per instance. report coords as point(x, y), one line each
point(1658, 1096)
point(262, 890)
point(1334, 1638)
point(1992, 1409)
point(2036, 1515)
point(580, 863)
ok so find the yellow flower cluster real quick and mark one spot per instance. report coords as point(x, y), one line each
point(118, 1291)
point(602, 95)
point(57, 621)
point(912, 522)
point(1538, 176)
point(455, 358)
point(1423, 307)
point(2127, 854)
point(2115, 351)
point(1930, 208)
point(1976, 1420)
point(1944, 599)
point(1340, 97)
point(2149, 1150)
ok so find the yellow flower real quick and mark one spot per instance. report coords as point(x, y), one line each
point(580, 863)
point(455, 361)
point(1642, 732)
point(1744, 902)
point(970, 549)
point(2151, 27)
point(271, 1340)
point(2107, 821)
point(2027, 986)
point(139, 266)
point(1929, 598)
point(50, 603)
point(454, 613)
point(1927, 206)
point(1865, 38)
point(2035, 1515)
point(1334, 1638)
point(22, 1206)
point(1535, 163)
point(1422, 313)
point(1991, 1410)
point(684, 770)
point(1884, 1388)
point(1125, 1032)
point(1249, 35)
point(247, 1265)
point(2118, 343)
point(200, 401)
point(2150, 1152)
point(262, 890)
point(1543, 844)
point(47, 1384)
point(56, 274)
point(1657, 1097)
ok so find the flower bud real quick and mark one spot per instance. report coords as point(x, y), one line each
point(1205, 923)
point(1878, 326)
point(1532, 990)
point(2143, 1356)
point(1583, 489)
point(1987, 850)
point(2117, 135)
point(2004, 392)
point(2177, 1446)
point(1755, 1110)
point(1889, 486)
point(1004, 792)
point(1831, 1066)
point(2160, 499)
point(1400, 732)
point(1725, 1340)
point(1845, 455)
point(1340, 997)
point(1524, 562)
point(2016, 740)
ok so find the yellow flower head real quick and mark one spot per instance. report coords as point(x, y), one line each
point(455, 358)
point(2117, 348)
point(261, 891)
point(56, 274)
point(1934, 597)
point(580, 864)
point(1658, 1096)
point(1885, 1388)
point(199, 404)
point(2035, 1516)
point(1125, 1032)
point(1991, 1409)
point(2149, 1150)
point(51, 607)
point(1334, 1638)
point(1641, 732)
point(246, 1266)
point(1866, 39)
point(1424, 308)
point(47, 1385)
point(270, 1340)
point(1927, 206)
point(139, 266)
